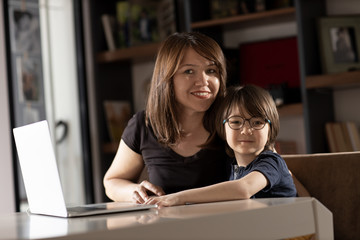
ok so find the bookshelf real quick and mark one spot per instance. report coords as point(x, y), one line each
point(148, 51)
point(113, 69)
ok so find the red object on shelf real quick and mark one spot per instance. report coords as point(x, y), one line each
point(271, 62)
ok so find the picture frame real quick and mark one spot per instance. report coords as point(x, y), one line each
point(339, 43)
point(25, 26)
point(28, 79)
point(25, 58)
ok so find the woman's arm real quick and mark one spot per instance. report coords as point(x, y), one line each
point(120, 179)
point(231, 190)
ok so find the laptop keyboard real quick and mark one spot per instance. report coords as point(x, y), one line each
point(81, 209)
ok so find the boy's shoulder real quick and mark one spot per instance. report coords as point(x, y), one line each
point(269, 153)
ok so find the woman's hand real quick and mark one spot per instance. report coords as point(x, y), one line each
point(166, 200)
point(140, 195)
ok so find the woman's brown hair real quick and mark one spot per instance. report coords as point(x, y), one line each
point(257, 102)
point(161, 105)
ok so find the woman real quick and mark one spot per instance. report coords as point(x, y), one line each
point(168, 137)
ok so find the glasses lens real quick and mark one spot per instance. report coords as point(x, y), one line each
point(236, 122)
point(257, 123)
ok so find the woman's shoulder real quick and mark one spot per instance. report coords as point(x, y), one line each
point(138, 119)
point(136, 132)
point(139, 116)
point(135, 124)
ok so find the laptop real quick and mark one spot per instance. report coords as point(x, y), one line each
point(41, 177)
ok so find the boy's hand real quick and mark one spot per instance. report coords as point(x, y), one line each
point(166, 200)
point(140, 195)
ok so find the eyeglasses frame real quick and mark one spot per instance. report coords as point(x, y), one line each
point(245, 120)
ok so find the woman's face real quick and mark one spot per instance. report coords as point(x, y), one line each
point(196, 83)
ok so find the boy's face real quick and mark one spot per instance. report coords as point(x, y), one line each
point(246, 142)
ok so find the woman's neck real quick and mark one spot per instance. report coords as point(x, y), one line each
point(191, 122)
point(193, 134)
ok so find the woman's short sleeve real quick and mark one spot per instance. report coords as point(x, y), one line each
point(132, 133)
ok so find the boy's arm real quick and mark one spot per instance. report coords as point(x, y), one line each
point(242, 188)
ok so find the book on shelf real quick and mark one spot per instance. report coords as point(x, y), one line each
point(117, 115)
point(144, 21)
point(166, 18)
point(224, 8)
point(109, 26)
point(228, 8)
point(346, 135)
point(342, 136)
point(122, 21)
point(354, 135)
point(330, 136)
point(260, 5)
point(339, 137)
point(276, 4)
point(270, 62)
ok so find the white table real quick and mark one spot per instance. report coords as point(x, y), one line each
point(276, 218)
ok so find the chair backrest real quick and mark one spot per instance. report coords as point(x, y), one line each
point(334, 180)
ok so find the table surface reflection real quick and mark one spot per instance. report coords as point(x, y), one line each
point(277, 218)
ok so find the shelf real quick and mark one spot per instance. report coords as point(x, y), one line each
point(145, 51)
point(344, 79)
point(244, 18)
point(290, 110)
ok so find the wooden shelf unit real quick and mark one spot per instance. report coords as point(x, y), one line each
point(316, 113)
point(244, 18)
point(344, 79)
point(132, 53)
point(149, 50)
point(295, 109)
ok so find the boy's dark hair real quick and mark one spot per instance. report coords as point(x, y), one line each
point(257, 102)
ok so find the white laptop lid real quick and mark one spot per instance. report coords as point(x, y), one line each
point(41, 177)
point(39, 169)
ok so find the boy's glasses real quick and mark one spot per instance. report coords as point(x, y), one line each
point(237, 122)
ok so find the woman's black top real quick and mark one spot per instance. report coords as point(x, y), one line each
point(170, 170)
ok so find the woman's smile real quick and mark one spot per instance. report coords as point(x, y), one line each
point(202, 94)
